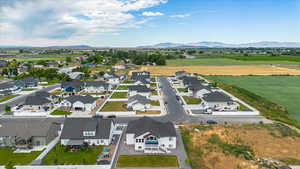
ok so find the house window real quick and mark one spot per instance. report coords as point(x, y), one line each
point(170, 139)
point(137, 140)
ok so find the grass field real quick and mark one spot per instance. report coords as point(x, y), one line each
point(119, 95)
point(191, 100)
point(226, 61)
point(114, 106)
point(154, 103)
point(148, 161)
point(284, 90)
point(122, 88)
point(238, 146)
point(60, 155)
point(28, 89)
point(7, 155)
point(61, 112)
point(5, 98)
point(235, 70)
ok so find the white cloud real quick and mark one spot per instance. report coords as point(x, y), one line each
point(152, 14)
point(180, 15)
point(42, 22)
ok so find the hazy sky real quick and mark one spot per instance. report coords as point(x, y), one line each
point(142, 22)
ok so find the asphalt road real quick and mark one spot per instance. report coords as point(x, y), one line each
point(22, 98)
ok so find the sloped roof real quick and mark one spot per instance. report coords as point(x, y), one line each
point(7, 85)
point(74, 127)
point(36, 100)
point(83, 99)
point(97, 83)
point(216, 97)
point(139, 88)
point(147, 124)
point(74, 84)
point(139, 99)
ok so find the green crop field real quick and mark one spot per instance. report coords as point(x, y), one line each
point(283, 90)
point(227, 61)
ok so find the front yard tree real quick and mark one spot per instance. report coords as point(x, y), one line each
point(7, 108)
point(10, 165)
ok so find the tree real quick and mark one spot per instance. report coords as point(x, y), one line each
point(68, 59)
point(7, 108)
point(10, 165)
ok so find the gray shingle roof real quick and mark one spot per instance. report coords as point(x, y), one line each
point(36, 100)
point(75, 84)
point(26, 128)
point(216, 97)
point(7, 85)
point(74, 127)
point(139, 88)
point(83, 99)
point(138, 98)
point(146, 124)
point(97, 84)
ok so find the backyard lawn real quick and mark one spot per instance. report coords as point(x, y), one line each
point(61, 112)
point(5, 98)
point(28, 89)
point(154, 103)
point(183, 89)
point(148, 161)
point(122, 88)
point(7, 155)
point(153, 84)
point(60, 155)
point(114, 106)
point(154, 93)
point(191, 100)
point(119, 95)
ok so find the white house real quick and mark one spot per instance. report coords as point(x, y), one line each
point(138, 103)
point(97, 87)
point(198, 91)
point(139, 89)
point(93, 131)
point(150, 136)
point(79, 103)
point(219, 102)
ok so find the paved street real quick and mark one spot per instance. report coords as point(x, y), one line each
point(21, 99)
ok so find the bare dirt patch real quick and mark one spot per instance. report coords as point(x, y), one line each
point(265, 141)
point(149, 112)
point(221, 70)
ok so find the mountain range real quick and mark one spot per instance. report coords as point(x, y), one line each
point(204, 44)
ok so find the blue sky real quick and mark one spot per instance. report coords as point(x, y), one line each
point(142, 22)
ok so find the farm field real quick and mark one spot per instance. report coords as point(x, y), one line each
point(283, 90)
point(239, 146)
point(227, 61)
point(235, 70)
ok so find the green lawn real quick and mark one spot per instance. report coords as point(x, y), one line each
point(148, 161)
point(283, 90)
point(114, 106)
point(122, 88)
point(183, 89)
point(191, 100)
point(128, 82)
point(154, 103)
point(152, 84)
point(60, 155)
point(61, 112)
point(225, 61)
point(7, 155)
point(154, 93)
point(28, 89)
point(119, 95)
point(5, 98)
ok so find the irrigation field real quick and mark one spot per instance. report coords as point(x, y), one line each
point(237, 70)
point(284, 90)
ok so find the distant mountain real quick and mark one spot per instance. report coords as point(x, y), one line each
point(54, 47)
point(205, 44)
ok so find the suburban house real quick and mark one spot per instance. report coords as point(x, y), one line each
point(150, 136)
point(140, 75)
point(198, 91)
point(37, 104)
point(76, 75)
point(93, 131)
point(97, 87)
point(180, 74)
point(72, 87)
point(26, 82)
point(8, 88)
point(79, 103)
point(139, 89)
point(53, 98)
point(108, 75)
point(219, 101)
point(138, 103)
point(141, 80)
point(28, 133)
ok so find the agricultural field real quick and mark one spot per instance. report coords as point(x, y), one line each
point(233, 61)
point(240, 146)
point(283, 90)
point(234, 70)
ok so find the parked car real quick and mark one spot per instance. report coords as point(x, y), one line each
point(111, 116)
point(211, 122)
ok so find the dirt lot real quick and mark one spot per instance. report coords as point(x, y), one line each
point(297, 67)
point(221, 70)
point(266, 141)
